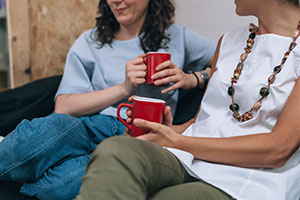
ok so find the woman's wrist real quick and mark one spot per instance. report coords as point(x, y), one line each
point(192, 80)
point(204, 77)
point(125, 91)
point(176, 139)
point(198, 79)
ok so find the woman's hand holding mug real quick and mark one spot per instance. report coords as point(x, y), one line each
point(143, 108)
point(135, 73)
point(162, 71)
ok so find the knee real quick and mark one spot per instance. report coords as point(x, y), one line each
point(52, 132)
point(61, 124)
point(58, 122)
point(49, 124)
point(114, 145)
point(116, 148)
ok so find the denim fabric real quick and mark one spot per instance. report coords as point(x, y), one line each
point(101, 127)
point(50, 154)
point(61, 182)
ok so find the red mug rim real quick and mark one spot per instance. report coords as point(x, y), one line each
point(147, 99)
point(157, 53)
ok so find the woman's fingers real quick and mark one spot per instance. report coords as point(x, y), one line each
point(166, 64)
point(137, 61)
point(153, 126)
point(168, 119)
point(164, 73)
point(171, 88)
point(135, 73)
point(129, 120)
point(147, 137)
point(130, 99)
point(170, 79)
point(142, 56)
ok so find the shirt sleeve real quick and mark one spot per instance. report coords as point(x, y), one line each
point(198, 50)
point(76, 78)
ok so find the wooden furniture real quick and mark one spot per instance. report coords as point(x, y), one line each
point(40, 32)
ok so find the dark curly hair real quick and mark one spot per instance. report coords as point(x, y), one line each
point(295, 2)
point(159, 17)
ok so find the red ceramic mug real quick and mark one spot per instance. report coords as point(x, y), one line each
point(152, 60)
point(149, 109)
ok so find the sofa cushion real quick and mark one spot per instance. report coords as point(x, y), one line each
point(10, 191)
point(35, 99)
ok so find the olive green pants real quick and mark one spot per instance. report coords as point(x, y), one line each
point(125, 168)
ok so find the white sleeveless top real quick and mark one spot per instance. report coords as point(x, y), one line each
point(215, 119)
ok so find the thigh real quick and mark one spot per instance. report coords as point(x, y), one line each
point(133, 168)
point(191, 191)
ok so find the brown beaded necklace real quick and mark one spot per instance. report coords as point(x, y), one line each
point(264, 91)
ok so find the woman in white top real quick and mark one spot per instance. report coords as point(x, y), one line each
point(244, 143)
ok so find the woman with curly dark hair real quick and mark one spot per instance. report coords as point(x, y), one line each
point(103, 68)
point(159, 17)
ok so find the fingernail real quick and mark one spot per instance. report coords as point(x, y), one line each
point(136, 121)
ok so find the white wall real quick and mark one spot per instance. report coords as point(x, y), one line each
point(210, 18)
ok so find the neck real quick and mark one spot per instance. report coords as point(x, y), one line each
point(127, 33)
point(130, 31)
point(280, 19)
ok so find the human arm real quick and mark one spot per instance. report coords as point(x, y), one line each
point(257, 150)
point(95, 101)
point(180, 128)
point(196, 52)
point(168, 72)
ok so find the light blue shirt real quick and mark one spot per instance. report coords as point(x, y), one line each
point(90, 68)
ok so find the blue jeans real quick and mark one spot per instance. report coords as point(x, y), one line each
point(50, 154)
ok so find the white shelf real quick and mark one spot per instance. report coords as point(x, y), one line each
point(2, 13)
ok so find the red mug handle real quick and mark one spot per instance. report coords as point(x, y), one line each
point(119, 116)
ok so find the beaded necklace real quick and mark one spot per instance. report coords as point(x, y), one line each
point(264, 91)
